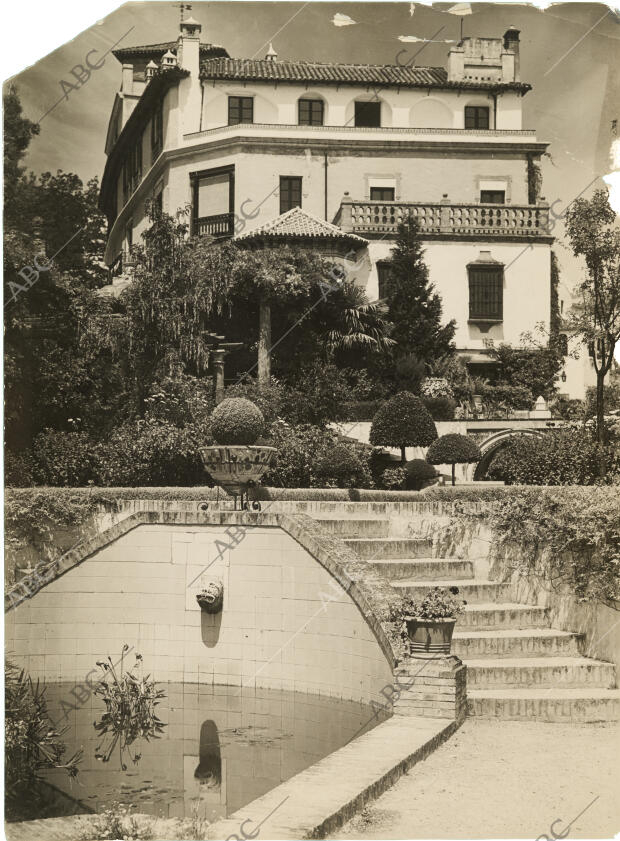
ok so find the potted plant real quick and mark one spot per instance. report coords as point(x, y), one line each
point(427, 625)
point(236, 463)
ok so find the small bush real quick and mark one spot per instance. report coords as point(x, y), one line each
point(237, 421)
point(151, 453)
point(378, 462)
point(500, 399)
point(269, 397)
point(393, 478)
point(453, 449)
point(440, 408)
point(418, 473)
point(341, 465)
point(402, 421)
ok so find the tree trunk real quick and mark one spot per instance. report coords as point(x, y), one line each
point(264, 343)
point(403, 455)
point(453, 475)
point(600, 422)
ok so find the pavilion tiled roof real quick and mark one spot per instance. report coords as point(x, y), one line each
point(341, 74)
point(299, 224)
point(206, 50)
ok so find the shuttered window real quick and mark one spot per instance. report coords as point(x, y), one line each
point(290, 192)
point(382, 194)
point(310, 112)
point(240, 110)
point(476, 117)
point(486, 293)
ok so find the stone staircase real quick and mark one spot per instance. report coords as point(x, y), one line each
point(518, 667)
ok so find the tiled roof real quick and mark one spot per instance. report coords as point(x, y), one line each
point(340, 74)
point(206, 50)
point(299, 224)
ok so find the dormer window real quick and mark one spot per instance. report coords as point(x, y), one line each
point(368, 114)
point(476, 117)
point(310, 112)
point(240, 110)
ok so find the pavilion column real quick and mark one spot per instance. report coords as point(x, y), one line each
point(217, 357)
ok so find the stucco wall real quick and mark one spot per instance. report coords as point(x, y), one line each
point(399, 107)
point(285, 624)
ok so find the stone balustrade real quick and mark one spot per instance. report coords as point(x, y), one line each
point(446, 219)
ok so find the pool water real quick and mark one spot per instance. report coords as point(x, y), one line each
point(220, 747)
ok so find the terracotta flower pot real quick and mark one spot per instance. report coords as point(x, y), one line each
point(234, 468)
point(430, 637)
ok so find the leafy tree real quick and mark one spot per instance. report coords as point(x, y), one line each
point(402, 421)
point(453, 449)
point(533, 368)
point(414, 307)
point(593, 233)
point(18, 132)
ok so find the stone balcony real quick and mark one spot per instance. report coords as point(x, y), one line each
point(447, 220)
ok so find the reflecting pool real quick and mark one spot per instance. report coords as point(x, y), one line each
point(219, 747)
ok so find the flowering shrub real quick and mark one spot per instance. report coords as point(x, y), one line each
point(237, 421)
point(394, 478)
point(436, 387)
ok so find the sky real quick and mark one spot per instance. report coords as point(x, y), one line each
point(570, 53)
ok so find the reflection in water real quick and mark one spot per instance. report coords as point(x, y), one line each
point(209, 770)
point(221, 747)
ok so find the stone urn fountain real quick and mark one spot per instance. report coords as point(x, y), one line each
point(236, 463)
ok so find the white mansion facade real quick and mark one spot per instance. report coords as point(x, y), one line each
point(333, 156)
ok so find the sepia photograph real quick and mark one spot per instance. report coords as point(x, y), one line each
point(311, 421)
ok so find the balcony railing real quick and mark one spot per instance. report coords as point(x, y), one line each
point(220, 225)
point(438, 219)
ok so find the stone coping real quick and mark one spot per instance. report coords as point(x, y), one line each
point(312, 804)
point(367, 587)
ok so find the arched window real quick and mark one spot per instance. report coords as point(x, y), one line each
point(310, 111)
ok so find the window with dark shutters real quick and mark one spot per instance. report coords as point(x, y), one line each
point(486, 293)
point(310, 112)
point(368, 114)
point(476, 116)
point(382, 194)
point(240, 110)
point(492, 196)
point(290, 192)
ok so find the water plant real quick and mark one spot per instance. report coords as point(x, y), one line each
point(32, 743)
point(130, 699)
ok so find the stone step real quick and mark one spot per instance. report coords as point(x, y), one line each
point(584, 705)
point(540, 642)
point(540, 672)
point(355, 527)
point(472, 590)
point(378, 548)
point(427, 569)
point(488, 617)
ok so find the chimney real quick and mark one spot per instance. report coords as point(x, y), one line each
point(511, 43)
point(127, 79)
point(271, 53)
point(456, 63)
point(151, 69)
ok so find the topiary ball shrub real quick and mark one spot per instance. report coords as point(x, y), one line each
point(402, 421)
point(341, 465)
point(237, 421)
point(418, 474)
point(453, 449)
